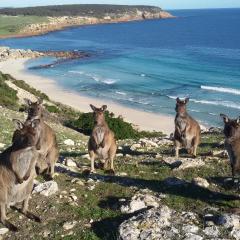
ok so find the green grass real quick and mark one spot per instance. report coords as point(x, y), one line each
point(14, 24)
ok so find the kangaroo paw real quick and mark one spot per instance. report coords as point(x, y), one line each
point(10, 226)
point(32, 217)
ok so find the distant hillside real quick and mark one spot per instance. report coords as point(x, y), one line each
point(90, 10)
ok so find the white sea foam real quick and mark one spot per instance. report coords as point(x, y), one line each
point(222, 89)
point(121, 93)
point(109, 81)
point(218, 103)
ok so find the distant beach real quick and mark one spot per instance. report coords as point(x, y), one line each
point(144, 120)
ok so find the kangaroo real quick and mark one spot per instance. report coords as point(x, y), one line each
point(17, 170)
point(187, 130)
point(47, 144)
point(232, 141)
point(102, 142)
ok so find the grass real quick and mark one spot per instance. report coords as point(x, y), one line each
point(10, 25)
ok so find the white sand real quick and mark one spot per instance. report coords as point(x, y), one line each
point(144, 120)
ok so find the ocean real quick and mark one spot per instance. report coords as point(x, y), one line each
point(147, 64)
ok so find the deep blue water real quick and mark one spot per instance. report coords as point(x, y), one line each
point(148, 64)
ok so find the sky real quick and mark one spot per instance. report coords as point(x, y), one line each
point(165, 4)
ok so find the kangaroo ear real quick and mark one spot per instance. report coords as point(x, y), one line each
point(39, 101)
point(186, 100)
point(224, 117)
point(93, 107)
point(18, 124)
point(104, 107)
point(35, 123)
point(178, 100)
point(28, 101)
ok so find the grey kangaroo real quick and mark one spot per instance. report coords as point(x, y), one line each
point(232, 141)
point(102, 142)
point(17, 170)
point(187, 130)
point(47, 144)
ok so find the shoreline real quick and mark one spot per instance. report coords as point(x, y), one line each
point(143, 120)
point(65, 27)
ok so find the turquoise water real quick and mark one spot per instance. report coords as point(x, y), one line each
point(146, 65)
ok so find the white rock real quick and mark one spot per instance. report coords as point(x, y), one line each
point(3, 231)
point(2, 145)
point(69, 142)
point(200, 182)
point(229, 221)
point(190, 229)
point(73, 197)
point(235, 234)
point(211, 231)
point(86, 156)
point(191, 236)
point(47, 188)
point(135, 146)
point(70, 163)
point(69, 225)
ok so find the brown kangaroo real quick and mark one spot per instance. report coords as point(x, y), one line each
point(232, 141)
point(47, 144)
point(102, 142)
point(17, 170)
point(187, 130)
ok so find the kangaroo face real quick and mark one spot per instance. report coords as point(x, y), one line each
point(27, 134)
point(98, 114)
point(231, 126)
point(35, 109)
point(181, 105)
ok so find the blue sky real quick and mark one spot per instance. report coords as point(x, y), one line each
point(166, 4)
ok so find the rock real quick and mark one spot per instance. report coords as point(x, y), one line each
point(135, 146)
point(220, 153)
point(147, 143)
point(147, 225)
point(69, 225)
point(47, 188)
point(173, 181)
point(122, 174)
point(69, 142)
point(119, 155)
point(165, 141)
point(2, 145)
point(201, 182)
point(211, 231)
point(3, 231)
point(138, 202)
point(86, 156)
point(229, 221)
point(191, 236)
point(73, 197)
point(184, 163)
point(190, 229)
point(235, 234)
point(70, 163)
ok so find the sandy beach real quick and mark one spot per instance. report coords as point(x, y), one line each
point(144, 120)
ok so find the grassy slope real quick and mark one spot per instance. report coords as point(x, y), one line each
point(13, 24)
point(100, 205)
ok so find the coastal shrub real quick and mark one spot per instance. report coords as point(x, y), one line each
point(52, 109)
point(25, 86)
point(8, 96)
point(121, 129)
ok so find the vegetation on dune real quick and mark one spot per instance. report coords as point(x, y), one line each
point(92, 10)
point(13, 24)
point(8, 96)
point(28, 88)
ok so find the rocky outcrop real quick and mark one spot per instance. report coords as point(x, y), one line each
point(8, 53)
point(57, 23)
point(165, 223)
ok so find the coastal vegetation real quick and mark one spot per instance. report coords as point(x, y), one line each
point(14, 24)
point(85, 10)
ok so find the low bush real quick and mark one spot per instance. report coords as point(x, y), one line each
point(8, 96)
point(25, 86)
